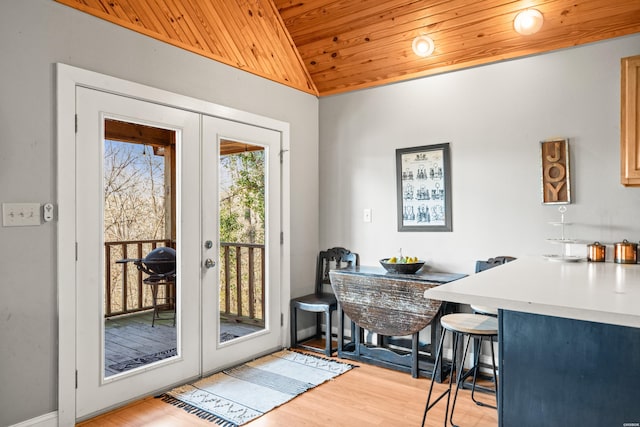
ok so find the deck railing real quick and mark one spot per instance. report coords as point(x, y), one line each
point(242, 280)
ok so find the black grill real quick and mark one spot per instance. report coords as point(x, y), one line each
point(159, 264)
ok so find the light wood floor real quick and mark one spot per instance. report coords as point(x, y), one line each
point(364, 396)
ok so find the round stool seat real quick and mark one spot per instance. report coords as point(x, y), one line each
point(484, 309)
point(474, 324)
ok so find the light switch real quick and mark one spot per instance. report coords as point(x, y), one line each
point(47, 212)
point(366, 215)
point(20, 214)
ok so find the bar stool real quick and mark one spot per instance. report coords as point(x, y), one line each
point(461, 325)
point(481, 266)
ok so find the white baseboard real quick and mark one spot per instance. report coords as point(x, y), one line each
point(46, 420)
point(308, 333)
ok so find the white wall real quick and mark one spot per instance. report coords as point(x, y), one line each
point(494, 117)
point(36, 34)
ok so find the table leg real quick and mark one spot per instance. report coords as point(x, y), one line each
point(436, 331)
point(340, 329)
point(358, 341)
point(414, 354)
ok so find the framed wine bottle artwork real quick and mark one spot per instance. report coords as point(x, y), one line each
point(424, 188)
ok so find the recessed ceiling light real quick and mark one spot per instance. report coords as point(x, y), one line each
point(528, 22)
point(423, 46)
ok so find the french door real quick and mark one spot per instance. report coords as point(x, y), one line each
point(230, 147)
point(177, 156)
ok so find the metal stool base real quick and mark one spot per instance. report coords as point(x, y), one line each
point(460, 375)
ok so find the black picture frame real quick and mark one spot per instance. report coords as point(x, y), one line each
point(423, 176)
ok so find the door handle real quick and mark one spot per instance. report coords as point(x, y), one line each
point(209, 263)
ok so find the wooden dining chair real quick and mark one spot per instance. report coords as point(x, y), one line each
point(486, 265)
point(321, 301)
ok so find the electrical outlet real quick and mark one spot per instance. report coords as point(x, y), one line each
point(366, 215)
point(20, 214)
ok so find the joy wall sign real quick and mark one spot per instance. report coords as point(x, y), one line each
point(556, 185)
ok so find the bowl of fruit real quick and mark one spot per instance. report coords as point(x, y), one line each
point(402, 264)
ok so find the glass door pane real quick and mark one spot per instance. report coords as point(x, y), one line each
point(242, 237)
point(139, 242)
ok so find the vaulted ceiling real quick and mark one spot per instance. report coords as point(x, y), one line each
point(325, 47)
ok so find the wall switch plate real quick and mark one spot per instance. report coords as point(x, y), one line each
point(366, 215)
point(20, 214)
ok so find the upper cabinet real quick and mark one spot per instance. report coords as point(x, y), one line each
point(630, 122)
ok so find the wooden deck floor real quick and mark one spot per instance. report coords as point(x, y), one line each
point(130, 339)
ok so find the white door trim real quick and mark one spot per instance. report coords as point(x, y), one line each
point(67, 79)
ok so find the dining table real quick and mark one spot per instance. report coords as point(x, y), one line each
point(388, 312)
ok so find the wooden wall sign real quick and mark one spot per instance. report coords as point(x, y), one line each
point(556, 183)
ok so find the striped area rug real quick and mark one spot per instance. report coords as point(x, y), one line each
point(238, 395)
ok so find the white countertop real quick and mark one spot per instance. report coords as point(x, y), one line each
point(597, 292)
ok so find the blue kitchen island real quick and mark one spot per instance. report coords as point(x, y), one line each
point(569, 340)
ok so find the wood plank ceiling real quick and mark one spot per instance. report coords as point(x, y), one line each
point(326, 47)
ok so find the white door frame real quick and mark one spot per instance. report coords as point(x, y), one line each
point(67, 79)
